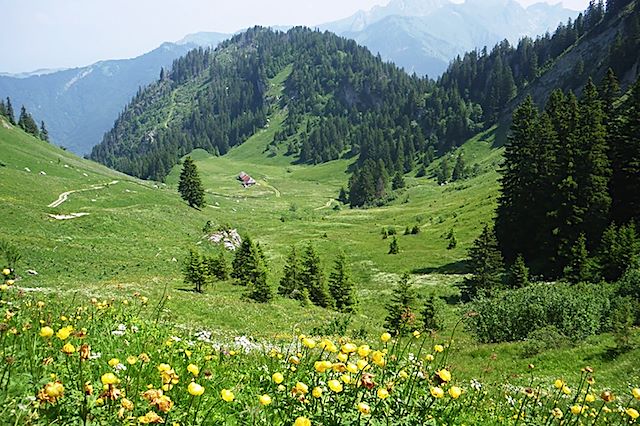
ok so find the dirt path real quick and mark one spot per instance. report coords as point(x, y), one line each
point(65, 195)
point(273, 188)
point(326, 206)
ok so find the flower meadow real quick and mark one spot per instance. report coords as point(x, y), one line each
point(106, 362)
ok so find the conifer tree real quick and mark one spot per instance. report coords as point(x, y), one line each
point(26, 122)
point(625, 152)
point(432, 319)
point(258, 288)
point(401, 314)
point(579, 267)
point(218, 266)
point(291, 284)
point(44, 133)
point(196, 271)
point(10, 114)
point(619, 250)
point(240, 271)
point(313, 279)
point(398, 181)
point(394, 248)
point(3, 108)
point(486, 264)
point(458, 169)
point(190, 185)
point(518, 273)
point(341, 285)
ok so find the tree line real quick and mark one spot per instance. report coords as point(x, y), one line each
point(303, 276)
point(25, 120)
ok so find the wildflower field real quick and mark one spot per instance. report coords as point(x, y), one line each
point(103, 362)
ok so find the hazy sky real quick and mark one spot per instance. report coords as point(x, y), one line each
point(65, 33)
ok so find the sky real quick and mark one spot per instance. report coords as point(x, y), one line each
point(39, 34)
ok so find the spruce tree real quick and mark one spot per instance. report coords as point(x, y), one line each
point(398, 181)
point(579, 267)
point(291, 284)
point(432, 319)
point(341, 285)
point(240, 266)
point(518, 273)
point(486, 264)
point(459, 169)
point(196, 271)
point(401, 314)
point(258, 288)
point(10, 114)
point(190, 185)
point(625, 152)
point(218, 266)
point(619, 250)
point(44, 133)
point(394, 248)
point(313, 279)
point(27, 123)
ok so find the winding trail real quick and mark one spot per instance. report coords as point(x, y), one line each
point(276, 190)
point(326, 206)
point(65, 195)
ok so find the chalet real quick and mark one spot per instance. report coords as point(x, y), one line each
point(246, 180)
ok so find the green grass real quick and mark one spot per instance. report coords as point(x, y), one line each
point(137, 234)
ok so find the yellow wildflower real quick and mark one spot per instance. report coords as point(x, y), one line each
point(132, 359)
point(364, 351)
point(302, 421)
point(636, 393)
point(335, 386)
point(348, 348)
point(46, 332)
point(64, 332)
point(383, 393)
point(309, 343)
point(277, 378)
point(68, 348)
point(195, 389)
point(385, 337)
point(444, 375)
point(455, 392)
point(227, 395)
point(437, 392)
point(109, 379)
point(193, 369)
point(632, 412)
point(364, 408)
point(264, 399)
point(301, 388)
point(316, 392)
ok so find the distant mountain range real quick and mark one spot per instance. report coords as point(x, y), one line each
point(79, 105)
point(422, 36)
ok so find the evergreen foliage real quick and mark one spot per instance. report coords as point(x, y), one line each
point(569, 171)
point(291, 284)
point(27, 123)
point(432, 314)
point(619, 250)
point(190, 185)
point(249, 269)
point(44, 133)
point(313, 279)
point(218, 266)
point(196, 271)
point(394, 247)
point(518, 273)
point(486, 264)
point(401, 311)
point(341, 285)
point(10, 114)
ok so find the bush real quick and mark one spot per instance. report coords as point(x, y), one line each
point(575, 311)
point(544, 338)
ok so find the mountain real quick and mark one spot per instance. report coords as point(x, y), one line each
point(422, 36)
point(79, 105)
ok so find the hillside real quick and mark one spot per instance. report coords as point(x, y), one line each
point(79, 105)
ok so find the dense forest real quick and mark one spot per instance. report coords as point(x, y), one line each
point(570, 182)
point(342, 101)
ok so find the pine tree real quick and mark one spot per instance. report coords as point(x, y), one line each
point(625, 152)
point(26, 122)
point(218, 266)
point(401, 316)
point(619, 250)
point(10, 114)
point(459, 169)
point(258, 288)
point(196, 271)
point(394, 248)
point(486, 264)
point(432, 319)
point(291, 284)
point(341, 285)
point(579, 267)
point(44, 133)
point(443, 173)
point(518, 273)
point(398, 181)
point(240, 271)
point(313, 278)
point(190, 185)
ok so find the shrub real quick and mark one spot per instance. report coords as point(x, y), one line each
point(576, 312)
